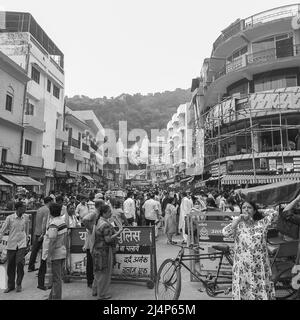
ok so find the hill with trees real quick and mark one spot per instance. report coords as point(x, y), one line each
point(151, 111)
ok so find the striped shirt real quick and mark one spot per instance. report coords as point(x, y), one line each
point(57, 234)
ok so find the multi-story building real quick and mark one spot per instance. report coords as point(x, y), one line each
point(180, 152)
point(25, 42)
point(248, 100)
point(81, 156)
point(92, 141)
point(13, 80)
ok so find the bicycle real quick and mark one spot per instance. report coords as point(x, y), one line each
point(168, 281)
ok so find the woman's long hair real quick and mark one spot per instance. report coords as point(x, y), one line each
point(103, 209)
point(257, 214)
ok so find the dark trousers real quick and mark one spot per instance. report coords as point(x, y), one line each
point(89, 268)
point(130, 221)
point(36, 246)
point(42, 273)
point(15, 260)
point(150, 222)
point(57, 269)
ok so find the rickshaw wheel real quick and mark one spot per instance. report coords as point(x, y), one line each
point(283, 285)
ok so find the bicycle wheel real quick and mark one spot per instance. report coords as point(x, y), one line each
point(282, 284)
point(168, 281)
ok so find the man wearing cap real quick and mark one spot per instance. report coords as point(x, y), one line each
point(18, 226)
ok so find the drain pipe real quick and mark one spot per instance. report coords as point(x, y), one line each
point(24, 106)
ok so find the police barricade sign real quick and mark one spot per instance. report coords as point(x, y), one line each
point(205, 230)
point(135, 258)
point(76, 257)
point(135, 255)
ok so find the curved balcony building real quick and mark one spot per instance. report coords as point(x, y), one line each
point(249, 99)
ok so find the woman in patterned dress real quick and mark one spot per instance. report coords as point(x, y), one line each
point(104, 245)
point(170, 220)
point(251, 272)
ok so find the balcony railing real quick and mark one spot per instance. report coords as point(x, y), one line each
point(85, 147)
point(260, 18)
point(271, 15)
point(75, 143)
point(94, 146)
point(259, 57)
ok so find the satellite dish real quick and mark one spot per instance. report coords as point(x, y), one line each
point(296, 22)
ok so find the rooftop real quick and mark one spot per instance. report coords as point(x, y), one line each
point(24, 22)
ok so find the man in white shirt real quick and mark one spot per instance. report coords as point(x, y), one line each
point(17, 224)
point(82, 209)
point(129, 208)
point(91, 203)
point(151, 210)
point(185, 208)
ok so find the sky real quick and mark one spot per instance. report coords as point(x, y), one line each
point(134, 46)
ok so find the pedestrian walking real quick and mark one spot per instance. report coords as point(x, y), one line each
point(91, 203)
point(170, 220)
point(88, 222)
point(18, 226)
point(185, 208)
point(57, 252)
point(41, 217)
point(129, 208)
point(105, 242)
point(151, 210)
point(81, 209)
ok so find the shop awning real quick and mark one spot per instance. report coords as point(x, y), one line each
point(59, 174)
point(88, 177)
point(170, 180)
point(186, 179)
point(2, 183)
point(74, 174)
point(22, 180)
point(272, 194)
point(260, 179)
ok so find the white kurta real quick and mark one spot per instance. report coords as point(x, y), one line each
point(185, 208)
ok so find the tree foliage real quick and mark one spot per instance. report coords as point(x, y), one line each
point(152, 111)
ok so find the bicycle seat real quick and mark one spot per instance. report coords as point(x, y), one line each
point(222, 248)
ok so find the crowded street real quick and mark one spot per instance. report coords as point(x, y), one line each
point(133, 168)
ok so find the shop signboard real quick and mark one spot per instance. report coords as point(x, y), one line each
point(207, 232)
point(211, 231)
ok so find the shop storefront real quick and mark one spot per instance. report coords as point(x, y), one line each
point(5, 193)
point(61, 181)
point(37, 174)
